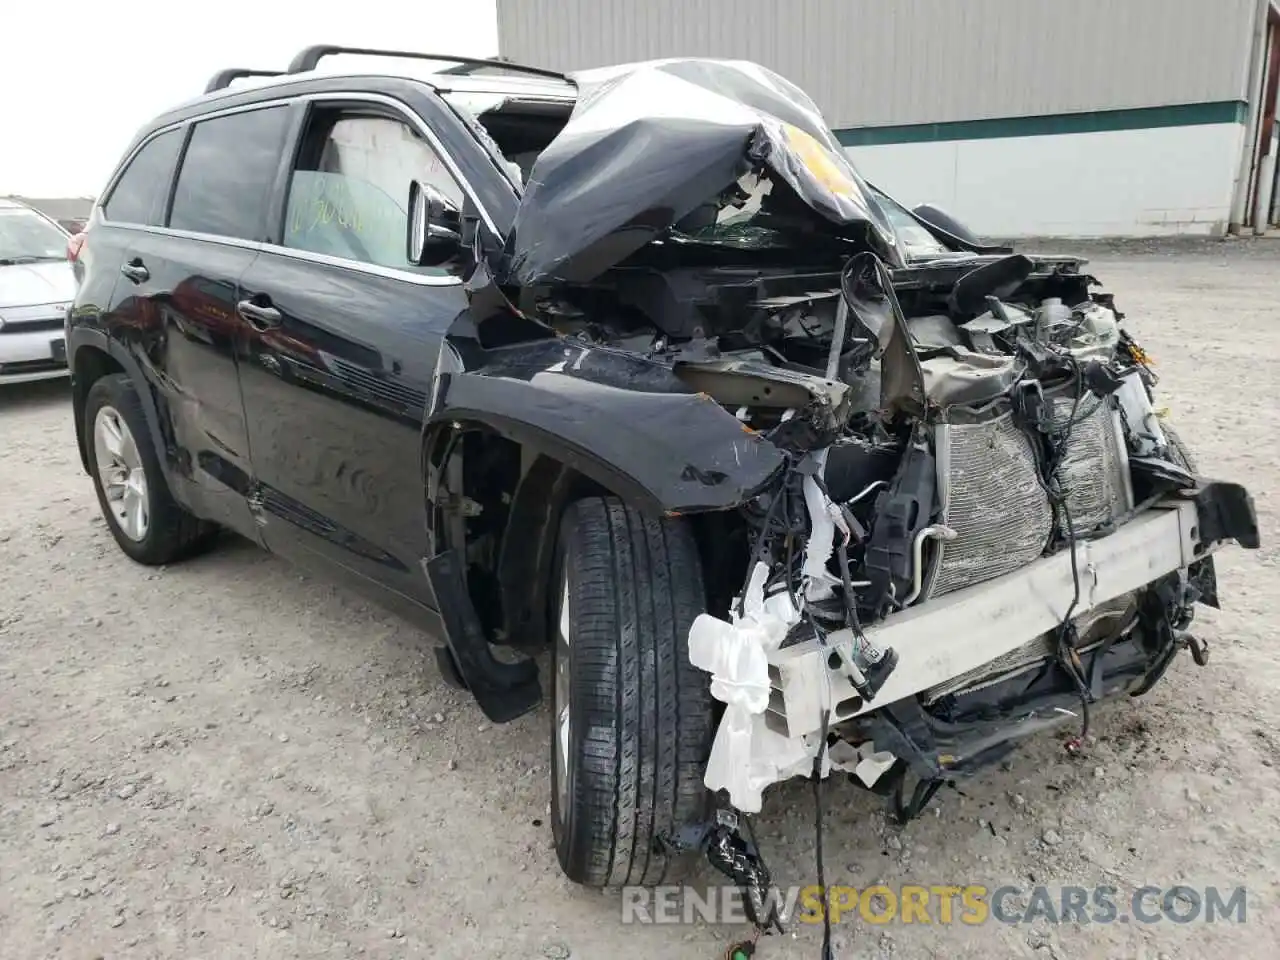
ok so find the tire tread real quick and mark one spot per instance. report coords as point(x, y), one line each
point(643, 715)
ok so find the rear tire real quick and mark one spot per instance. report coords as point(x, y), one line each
point(627, 767)
point(166, 532)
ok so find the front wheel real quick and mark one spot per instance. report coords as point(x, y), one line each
point(633, 719)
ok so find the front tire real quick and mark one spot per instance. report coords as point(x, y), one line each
point(633, 719)
point(1182, 454)
point(147, 523)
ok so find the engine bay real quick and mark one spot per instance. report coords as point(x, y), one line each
point(878, 383)
point(942, 425)
point(934, 505)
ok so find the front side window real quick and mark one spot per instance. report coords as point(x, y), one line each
point(227, 173)
point(27, 237)
point(349, 190)
point(140, 194)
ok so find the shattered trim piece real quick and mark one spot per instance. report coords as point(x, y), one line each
point(747, 755)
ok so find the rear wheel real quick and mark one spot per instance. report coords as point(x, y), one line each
point(632, 719)
point(142, 515)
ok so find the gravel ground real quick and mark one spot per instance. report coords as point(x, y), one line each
point(226, 759)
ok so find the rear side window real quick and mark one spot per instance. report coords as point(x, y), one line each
point(227, 173)
point(140, 193)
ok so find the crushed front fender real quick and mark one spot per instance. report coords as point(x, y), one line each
point(626, 423)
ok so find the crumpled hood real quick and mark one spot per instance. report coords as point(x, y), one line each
point(28, 284)
point(647, 143)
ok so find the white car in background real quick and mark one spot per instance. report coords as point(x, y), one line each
point(36, 288)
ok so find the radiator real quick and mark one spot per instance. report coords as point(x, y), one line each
point(992, 496)
point(1095, 466)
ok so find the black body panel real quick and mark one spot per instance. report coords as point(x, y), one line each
point(184, 314)
point(627, 423)
point(335, 396)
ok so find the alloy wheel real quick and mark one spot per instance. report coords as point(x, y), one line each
point(120, 471)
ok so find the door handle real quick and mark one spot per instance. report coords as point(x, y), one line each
point(136, 271)
point(258, 316)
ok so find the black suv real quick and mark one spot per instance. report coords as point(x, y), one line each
point(637, 368)
point(256, 349)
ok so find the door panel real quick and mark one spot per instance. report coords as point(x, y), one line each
point(176, 298)
point(184, 285)
point(335, 394)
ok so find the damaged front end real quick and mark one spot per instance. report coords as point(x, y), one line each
point(939, 506)
point(1012, 535)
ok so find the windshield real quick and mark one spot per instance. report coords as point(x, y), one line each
point(27, 237)
point(736, 219)
point(743, 225)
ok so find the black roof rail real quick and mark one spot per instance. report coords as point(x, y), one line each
point(311, 56)
point(224, 78)
point(500, 63)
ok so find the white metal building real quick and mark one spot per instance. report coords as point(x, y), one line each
point(1023, 117)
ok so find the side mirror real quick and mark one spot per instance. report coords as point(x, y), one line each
point(937, 217)
point(435, 226)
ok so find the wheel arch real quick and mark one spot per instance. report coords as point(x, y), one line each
point(529, 489)
point(91, 359)
point(531, 443)
point(535, 487)
point(93, 355)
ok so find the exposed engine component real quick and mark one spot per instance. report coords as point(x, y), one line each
point(944, 453)
point(902, 512)
point(1009, 429)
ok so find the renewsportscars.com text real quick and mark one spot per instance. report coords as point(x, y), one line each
point(969, 904)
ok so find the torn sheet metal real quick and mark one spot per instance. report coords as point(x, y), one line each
point(617, 418)
point(648, 143)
